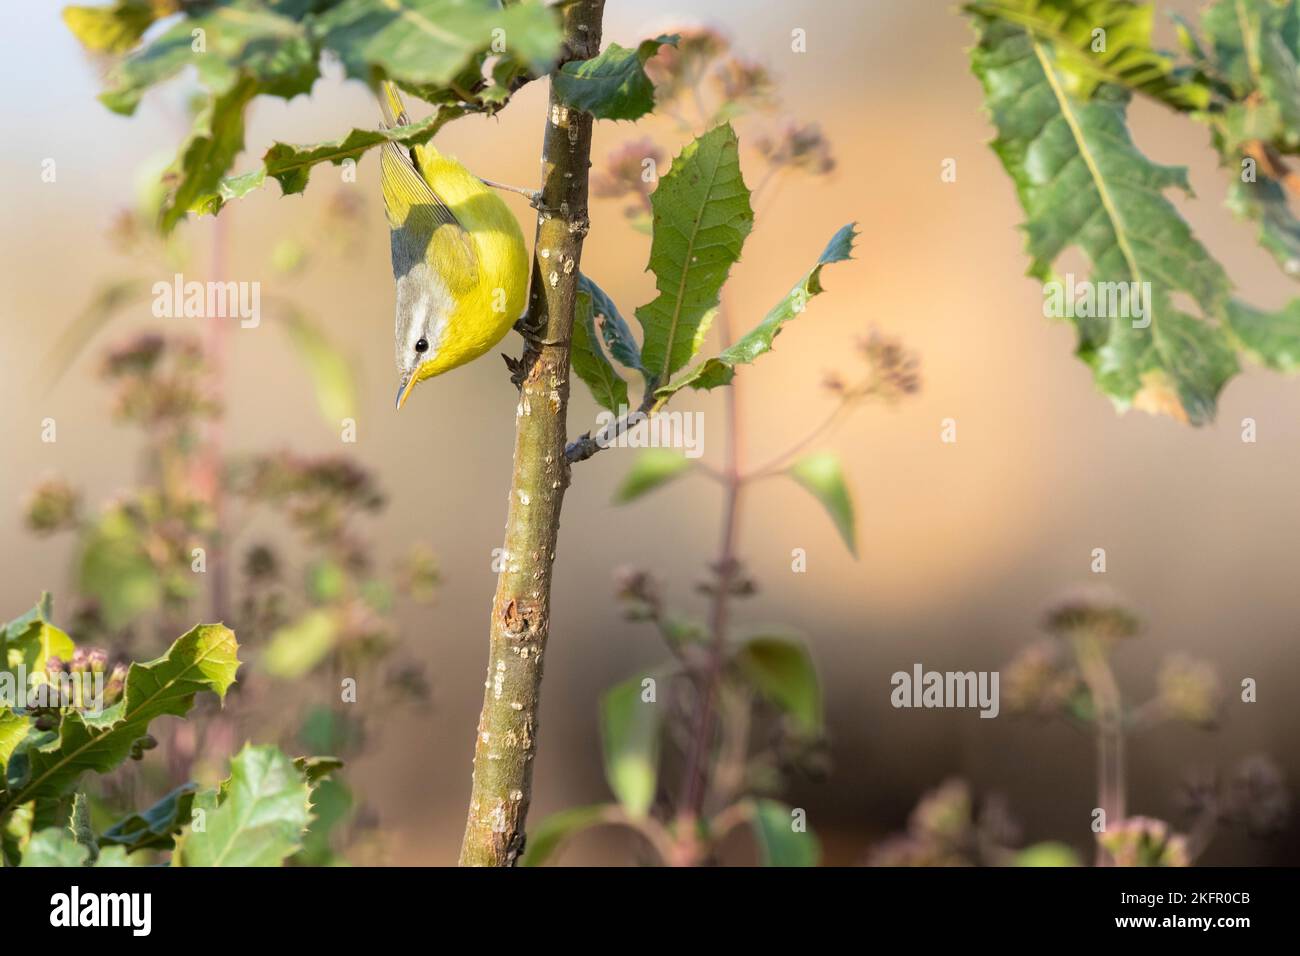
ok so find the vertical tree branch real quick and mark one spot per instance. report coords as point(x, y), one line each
point(521, 610)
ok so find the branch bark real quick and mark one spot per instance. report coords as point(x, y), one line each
point(521, 609)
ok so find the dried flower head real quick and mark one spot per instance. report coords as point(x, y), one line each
point(894, 370)
point(1040, 680)
point(626, 170)
point(1189, 690)
point(1258, 796)
point(1095, 610)
point(54, 506)
point(738, 80)
point(1144, 841)
point(160, 381)
point(798, 146)
point(944, 814)
point(675, 70)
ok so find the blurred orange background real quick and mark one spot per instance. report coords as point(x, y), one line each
point(962, 545)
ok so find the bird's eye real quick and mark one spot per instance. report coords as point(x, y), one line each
point(422, 345)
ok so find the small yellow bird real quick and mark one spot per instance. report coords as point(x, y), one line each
point(458, 257)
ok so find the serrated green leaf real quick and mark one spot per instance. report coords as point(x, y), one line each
point(267, 43)
point(215, 140)
point(332, 804)
point(116, 28)
point(432, 41)
point(612, 85)
point(614, 330)
point(629, 733)
point(822, 475)
point(291, 165)
point(545, 839)
point(55, 846)
point(1082, 182)
point(156, 827)
point(260, 819)
point(299, 646)
point(317, 768)
point(781, 669)
point(722, 369)
point(779, 843)
point(701, 218)
point(589, 359)
point(1123, 55)
point(204, 659)
point(1270, 338)
point(652, 468)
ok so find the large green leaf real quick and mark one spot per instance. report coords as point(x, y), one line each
point(291, 165)
point(266, 42)
point(701, 218)
point(1123, 55)
point(653, 467)
point(204, 659)
point(822, 475)
point(156, 827)
point(259, 817)
point(432, 41)
point(779, 843)
point(590, 361)
point(214, 142)
point(1082, 182)
point(721, 370)
point(612, 85)
point(629, 731)
point(547, 837)
point(781, 669)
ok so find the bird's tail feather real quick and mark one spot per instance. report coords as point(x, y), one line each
point(390, 102)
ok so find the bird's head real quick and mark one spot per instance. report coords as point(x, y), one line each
point(423, 308)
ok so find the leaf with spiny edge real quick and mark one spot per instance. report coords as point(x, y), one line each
point(1127, 59)
point(269, 44)
point(204, 659)
point(256, 818)
point(612, 85)
point(721, 369)
point(431, 41)
point(1082, 182)
point(291, 165)
point(701, 218)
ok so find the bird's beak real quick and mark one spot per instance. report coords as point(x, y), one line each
point(404, 387)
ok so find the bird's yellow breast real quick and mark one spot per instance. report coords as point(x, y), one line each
point(487, 310)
